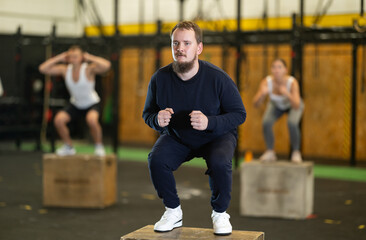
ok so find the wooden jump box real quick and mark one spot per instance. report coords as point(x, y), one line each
point(81, 180)
point(184, 233)
point(279, 189)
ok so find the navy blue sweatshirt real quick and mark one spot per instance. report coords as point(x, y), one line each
point(210, 91)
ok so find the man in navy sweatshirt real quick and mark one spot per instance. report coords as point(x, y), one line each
point(196, 108)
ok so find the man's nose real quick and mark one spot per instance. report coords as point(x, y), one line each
point(180, 47)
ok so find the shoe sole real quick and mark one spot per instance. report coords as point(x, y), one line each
point(268, 161)
point(176, 225)
point(222, 234)
point(296, 162)
point(64, 155)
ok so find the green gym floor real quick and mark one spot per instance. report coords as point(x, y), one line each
point(339, 201)
point(140, 154)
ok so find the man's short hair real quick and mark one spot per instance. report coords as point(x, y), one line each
point(189, 25)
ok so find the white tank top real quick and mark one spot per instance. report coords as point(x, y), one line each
point(82, 92)
point(280, 101)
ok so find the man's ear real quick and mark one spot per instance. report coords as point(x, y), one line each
point(200, 48)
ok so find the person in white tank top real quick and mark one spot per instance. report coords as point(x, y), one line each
point(79, 69)
point(284, 97)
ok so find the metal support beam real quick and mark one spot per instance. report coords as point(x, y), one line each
point(116, 91)
point(361, 12)
point(49, 91)
point(354, 105)
point(297, 49)
point(181, 10)
point(18, 79)
point(297, 57)
point(238, 68)
point(116, 5)
point(158, 45)
point(302, 13)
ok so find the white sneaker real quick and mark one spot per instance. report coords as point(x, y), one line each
point(99, 150)
point(172, 218)
point(66, 150)
point(268, 156)
point(221, 223)
point(296, 157)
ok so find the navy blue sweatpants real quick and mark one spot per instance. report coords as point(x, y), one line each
point(168, 154)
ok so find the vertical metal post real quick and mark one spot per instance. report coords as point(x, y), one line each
point(116, 90)
point(293, 44)
point(18, 80)
point(296, 59)
point(361, 12)
point(300, 65)
point(225, 56)
point(238, 43)
point(116, 6)
point(181, 10)
point(158, 45)
point(238, 69)
point(265, 45)
point(140, 63)
point(302, 13)
point(49, 90)
point(354, 104)
point(297, 49)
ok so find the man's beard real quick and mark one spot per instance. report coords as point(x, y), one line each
point(183, 67)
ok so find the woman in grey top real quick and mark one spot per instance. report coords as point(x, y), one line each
point(284, 97)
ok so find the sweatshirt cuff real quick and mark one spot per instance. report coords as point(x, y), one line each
point(156, 122)
point(212, 122)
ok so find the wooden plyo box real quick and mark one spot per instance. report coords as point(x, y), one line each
point(279, 189)
point(81, 180)
point(184, 233)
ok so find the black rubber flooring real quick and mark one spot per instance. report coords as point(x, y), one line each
point(339, 206)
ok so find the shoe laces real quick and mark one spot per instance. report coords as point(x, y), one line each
point(220, 218)
point(66, 147)
point(170, 213)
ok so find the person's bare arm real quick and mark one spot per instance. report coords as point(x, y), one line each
point(98, 65)
point(261, 94)
point(54, 65)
